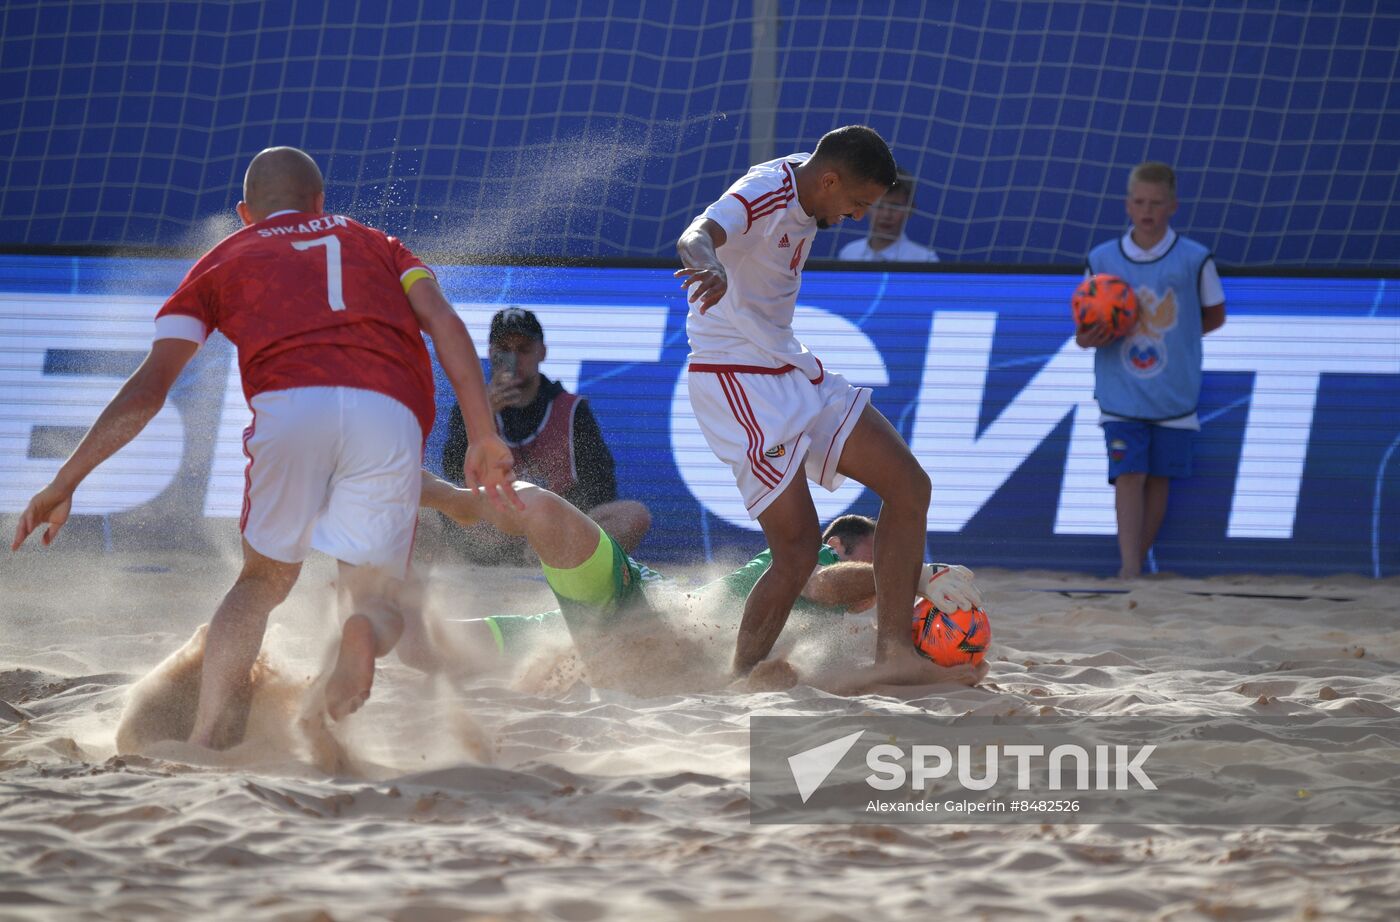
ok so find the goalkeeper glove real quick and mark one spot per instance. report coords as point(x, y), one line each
point(949, 587)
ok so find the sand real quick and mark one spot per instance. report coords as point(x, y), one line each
point(534, 794)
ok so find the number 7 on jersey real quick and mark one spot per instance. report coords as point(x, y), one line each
point(334, 290)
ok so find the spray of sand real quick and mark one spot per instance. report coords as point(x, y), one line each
point(205, 233)
point(280, 724)
point(680, 646)
point(533, 199)
point(547, 186)
point(274, 723)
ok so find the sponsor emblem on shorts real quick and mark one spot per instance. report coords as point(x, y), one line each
point(1118, 449)
point(784, 242)
point(777, 451)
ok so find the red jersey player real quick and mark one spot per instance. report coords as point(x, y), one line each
point(327, 315)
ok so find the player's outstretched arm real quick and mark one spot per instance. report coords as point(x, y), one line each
point(488, 462)
point(139, 399)
point(700, 264)
point(849, 585)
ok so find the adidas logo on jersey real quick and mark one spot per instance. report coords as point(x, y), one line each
point(777, 451)
point(784, 242)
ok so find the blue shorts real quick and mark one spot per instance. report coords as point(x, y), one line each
point(1144, 448)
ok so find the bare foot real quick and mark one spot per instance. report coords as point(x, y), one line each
point(920, 670)
point(348, 687)
point(910, 668)
point(769, 675)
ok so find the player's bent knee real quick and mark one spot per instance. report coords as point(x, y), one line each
point(513, 520)
point(541, 506)
point(904, 482)
point(910, 488)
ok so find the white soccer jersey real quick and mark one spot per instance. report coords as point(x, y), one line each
point(768, 239)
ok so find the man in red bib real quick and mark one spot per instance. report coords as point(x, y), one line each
point(328, 317)
point(554, 436)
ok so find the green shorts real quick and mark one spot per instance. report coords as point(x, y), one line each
point(593, 597)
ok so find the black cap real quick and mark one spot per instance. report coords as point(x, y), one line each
point(516, 320)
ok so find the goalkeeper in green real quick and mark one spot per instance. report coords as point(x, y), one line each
point(603, 593)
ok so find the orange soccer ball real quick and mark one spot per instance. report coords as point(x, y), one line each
point(1105, 299)
point(951, 640)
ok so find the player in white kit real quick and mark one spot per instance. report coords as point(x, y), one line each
point(770, 410)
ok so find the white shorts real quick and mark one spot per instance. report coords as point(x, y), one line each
point(770, 425)
point(334, 468)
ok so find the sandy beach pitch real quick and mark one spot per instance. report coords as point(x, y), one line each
point(533, 794)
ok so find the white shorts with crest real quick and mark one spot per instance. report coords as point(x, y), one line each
point(772, 424)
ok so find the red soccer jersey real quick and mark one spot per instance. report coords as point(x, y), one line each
point(314, 301)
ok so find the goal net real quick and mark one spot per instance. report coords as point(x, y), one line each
point(551, 129)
